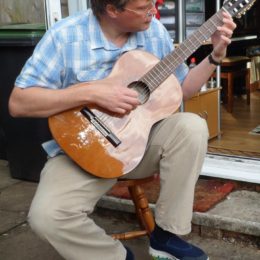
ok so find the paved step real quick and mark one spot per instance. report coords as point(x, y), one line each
point(237, 217)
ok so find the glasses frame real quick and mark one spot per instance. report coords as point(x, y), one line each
point(148, 12)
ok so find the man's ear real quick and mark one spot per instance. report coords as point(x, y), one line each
point(112, 11)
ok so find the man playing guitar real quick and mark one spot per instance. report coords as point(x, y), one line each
point(84, 48)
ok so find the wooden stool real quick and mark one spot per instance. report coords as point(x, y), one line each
point(142, 209)
point(232, 68)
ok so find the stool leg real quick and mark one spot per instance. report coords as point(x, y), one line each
point(230, 93)
point(143, 210)
point(248, 86)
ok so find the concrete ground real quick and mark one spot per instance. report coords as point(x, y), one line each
point(18, 242)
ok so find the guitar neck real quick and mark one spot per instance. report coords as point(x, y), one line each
point(169, 64)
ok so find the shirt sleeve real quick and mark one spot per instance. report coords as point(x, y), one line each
point(44, 68)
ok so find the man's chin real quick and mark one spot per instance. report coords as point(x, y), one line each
point(145, 26)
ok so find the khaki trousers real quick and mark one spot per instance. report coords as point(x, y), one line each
point(67, 195)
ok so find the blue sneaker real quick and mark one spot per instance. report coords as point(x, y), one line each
point(167, 246)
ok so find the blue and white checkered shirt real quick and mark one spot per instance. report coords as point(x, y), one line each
point(76, 50)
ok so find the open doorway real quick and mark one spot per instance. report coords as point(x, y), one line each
point(240, 130)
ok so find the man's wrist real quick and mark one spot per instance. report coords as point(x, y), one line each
point(213, 60)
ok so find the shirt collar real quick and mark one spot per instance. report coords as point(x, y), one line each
point(98, 40)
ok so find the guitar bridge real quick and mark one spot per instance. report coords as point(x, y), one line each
point(100, 126)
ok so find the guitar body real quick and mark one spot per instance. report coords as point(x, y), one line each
point(86, 145)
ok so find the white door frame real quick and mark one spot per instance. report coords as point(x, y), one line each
point(232, 167)
point(52, 12)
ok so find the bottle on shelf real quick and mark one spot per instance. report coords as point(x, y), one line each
point(212, 83)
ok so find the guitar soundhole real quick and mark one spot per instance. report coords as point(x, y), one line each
point(142, 89)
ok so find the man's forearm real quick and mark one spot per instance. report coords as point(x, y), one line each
point(196, 77)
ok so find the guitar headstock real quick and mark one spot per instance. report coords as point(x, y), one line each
point(237, 8)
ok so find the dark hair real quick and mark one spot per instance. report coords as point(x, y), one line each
point(99, 6)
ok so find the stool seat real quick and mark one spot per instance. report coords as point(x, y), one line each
point(142, 209)
point(232, 68)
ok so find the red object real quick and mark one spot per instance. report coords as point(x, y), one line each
point(193, 60)
point(208, 193)
point(157, 3)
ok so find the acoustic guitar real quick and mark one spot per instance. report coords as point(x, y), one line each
point(110, 146)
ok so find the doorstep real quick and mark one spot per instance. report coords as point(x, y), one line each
point(236, 217)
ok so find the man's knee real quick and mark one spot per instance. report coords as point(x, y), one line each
point(42, 221)
point(193, 125)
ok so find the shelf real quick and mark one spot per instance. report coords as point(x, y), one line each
point(195, 17)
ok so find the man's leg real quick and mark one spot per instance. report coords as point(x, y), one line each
point(182, 157)
point(60, 210)
point(176, 148)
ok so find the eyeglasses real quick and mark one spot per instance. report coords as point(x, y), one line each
point(150, 11)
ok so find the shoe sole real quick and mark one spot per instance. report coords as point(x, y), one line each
point(161, 255)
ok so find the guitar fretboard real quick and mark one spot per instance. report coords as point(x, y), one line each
point(169, 64)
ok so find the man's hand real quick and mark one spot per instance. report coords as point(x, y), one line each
point(221, 38)
point(117, 99)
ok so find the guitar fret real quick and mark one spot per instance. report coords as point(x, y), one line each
point(181, 50)
point(197, 36)
point(191, 44)
point(152, 79)
point(184, 49)
point(219, 17)
point(162, 69)
point(155, 79)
